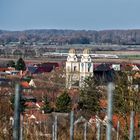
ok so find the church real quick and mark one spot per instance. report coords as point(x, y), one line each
point(77, 69)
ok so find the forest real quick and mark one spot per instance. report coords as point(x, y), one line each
point(62, 37)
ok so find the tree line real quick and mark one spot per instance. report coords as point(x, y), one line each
point(62, 37)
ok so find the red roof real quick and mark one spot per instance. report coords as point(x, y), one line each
point(116, 118)
point(30, 104)
point(34, 105)
point(3, 69)
point(25, 84)
point(103, 103)
point(36, 115)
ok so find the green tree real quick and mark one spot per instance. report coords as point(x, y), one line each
point(121, 94)
point(125, 98)
point(20, 65)
point(22, 103)
point(11, 63)
point(63, 102)
point(126, 95)
point(89, 101)
point(47, 107)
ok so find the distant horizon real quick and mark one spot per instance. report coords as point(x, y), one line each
point(113, 29)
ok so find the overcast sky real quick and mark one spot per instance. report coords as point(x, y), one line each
point(69, 14)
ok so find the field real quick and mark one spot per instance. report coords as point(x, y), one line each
point(102, 60)
point(125, 56)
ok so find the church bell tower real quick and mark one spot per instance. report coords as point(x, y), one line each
point(86, 66)
point(72, 69)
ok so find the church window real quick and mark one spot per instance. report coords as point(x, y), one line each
point(89, 59)
point(75, 68)
point(82, 66)
point(75, 58)
point(89, 66)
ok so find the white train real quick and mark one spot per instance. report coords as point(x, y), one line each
point(92, 55)
point(104, 56)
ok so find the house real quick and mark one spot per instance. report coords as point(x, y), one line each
point(135, 68)
point(35, 116)
point(42, 68)
point(5, 81)
point(104, 72)
point(115, 119)
point(130, 67)
point(32, 83)
point(3, 69)
point(34, 105)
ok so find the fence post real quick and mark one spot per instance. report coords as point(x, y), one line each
point(53, 132)
point(72, 125)
point(85, 131)
point(55, 128)
point(21, 127)
point(99, 131)
point(16, 127)
point(118, 129)
point(132, 126)
point(109, 110)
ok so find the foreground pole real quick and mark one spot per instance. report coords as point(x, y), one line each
point(99, 131)
point(53, 132)
point(55, 128)
point(109, 110)
point(16, 127)
point(85, 131)
point(132, 126)
point(21, 127)
point(72, 125)
point(118, 129)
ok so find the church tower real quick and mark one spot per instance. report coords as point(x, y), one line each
point(86, 66)
point(72, 69)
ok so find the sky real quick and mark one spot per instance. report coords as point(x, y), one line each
point(69, 14)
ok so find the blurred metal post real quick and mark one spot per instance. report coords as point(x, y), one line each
point(110, 89)
point(16, 127)
point(85, 131)
point(99, 131)
point(55, 128)
point(132, 125)
point(118, 129)
point(21, 127)
point(53, 132)
point(72, 125)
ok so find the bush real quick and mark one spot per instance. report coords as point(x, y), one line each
point(63, 103)
point(47, 108)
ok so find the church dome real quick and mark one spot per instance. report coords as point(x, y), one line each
point(86, 51)
point(72, 51)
